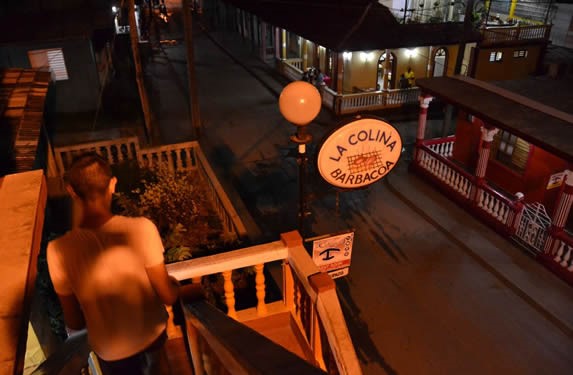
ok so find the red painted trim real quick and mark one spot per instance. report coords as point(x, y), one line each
point(438, 141)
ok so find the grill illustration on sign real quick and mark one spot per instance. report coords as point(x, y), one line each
point(365, 162)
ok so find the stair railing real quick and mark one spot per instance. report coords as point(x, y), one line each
point(308, 294)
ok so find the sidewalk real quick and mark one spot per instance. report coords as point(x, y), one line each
point(509, 263)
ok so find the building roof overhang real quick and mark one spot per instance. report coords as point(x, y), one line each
point(53, 25)
point(352, 25)
point(537, 123)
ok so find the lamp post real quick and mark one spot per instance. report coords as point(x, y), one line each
point(299, 104)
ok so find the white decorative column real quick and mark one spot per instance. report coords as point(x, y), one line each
point(386, 70)
point(562, 210)
point(485, 147)
point(487, 135)
point(422, 119)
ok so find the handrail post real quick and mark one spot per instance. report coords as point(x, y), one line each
point(194, 347)
point(319, 282)
point(288, 286)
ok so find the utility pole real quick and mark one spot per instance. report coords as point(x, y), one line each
point(139, 71)
point(192, 82)
point(468, 25)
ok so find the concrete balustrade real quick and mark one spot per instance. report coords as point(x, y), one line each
point(355, 102)
point(180, 157)
point(505, 214)
point(308, 295)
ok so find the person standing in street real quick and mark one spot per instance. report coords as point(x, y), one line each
point(410, 76)
point(110, 276)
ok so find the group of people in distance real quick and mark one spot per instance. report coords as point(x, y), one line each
point(315, 77)
point(407, 79)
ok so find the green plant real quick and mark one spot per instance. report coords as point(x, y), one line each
point(177, 202)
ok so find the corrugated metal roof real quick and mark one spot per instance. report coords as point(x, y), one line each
point(22, 97)
point(351, 25)
point(538, 123)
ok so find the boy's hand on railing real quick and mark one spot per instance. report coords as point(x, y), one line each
point(189, 293)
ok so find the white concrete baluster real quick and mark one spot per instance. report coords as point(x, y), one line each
point(566, 257)
point(169, 161)
point(480, 198)
point(260, 287)
point(492, 203)
point(495, 209)
point(120, 153)
point(560, 251)
point(229, 293)
point(465, 186)
point(460, 183)
point(440, 169)
point(108, 154)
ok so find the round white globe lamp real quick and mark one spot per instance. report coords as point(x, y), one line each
point(299, 104)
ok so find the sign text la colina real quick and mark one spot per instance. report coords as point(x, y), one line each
point(359, 153)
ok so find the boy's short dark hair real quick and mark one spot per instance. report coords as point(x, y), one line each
point(89, 175)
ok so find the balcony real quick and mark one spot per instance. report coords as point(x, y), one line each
point(512, 34)
point(342, 104)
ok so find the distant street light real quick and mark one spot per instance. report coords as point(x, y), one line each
point(300, 103)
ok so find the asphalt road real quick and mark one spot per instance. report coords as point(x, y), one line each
point(419, 298)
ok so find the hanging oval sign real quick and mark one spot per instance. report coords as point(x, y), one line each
point(359, 153)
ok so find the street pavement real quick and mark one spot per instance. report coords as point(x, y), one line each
point(431, 290)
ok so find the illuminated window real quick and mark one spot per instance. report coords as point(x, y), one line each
point(520, 53)
point(51, 59)
point(510, 150)
point(495, 56)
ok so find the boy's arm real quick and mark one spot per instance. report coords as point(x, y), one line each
point(73, 315)
point(166, 287)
